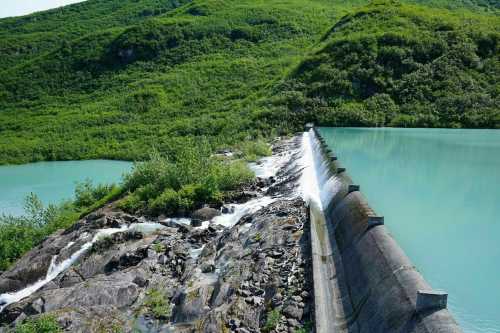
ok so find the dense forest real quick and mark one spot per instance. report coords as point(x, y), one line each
point(117, 79)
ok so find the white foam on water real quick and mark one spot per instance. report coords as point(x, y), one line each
point(269, 166)
point(316, 183)
point(240, 210)
point(180, 220)
point(146, 227)
point(55, 269)
point(195, 253)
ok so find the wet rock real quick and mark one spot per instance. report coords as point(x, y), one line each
point(8, 284)
point(36, 307)
point(205, 214)
point(70, 278)
point(227, 209)
point(196, 223)
point(95, 215)
point(207, 267)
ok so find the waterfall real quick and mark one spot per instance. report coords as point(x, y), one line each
point(316, 184)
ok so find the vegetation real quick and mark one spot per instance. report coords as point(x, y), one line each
point(19, 234)
point(115, 78)
point(175, 186)
point(389, 64)
point(41, 324)
point(157, 304)
point(273, 319)
point(170, 82)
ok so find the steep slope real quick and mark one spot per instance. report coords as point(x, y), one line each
point(116, 93)
point(25, 37)
point(399, 65)
point(113, 79)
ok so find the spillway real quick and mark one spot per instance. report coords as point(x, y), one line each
point(363, 280)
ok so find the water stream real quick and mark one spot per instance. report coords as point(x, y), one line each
point(267, 168)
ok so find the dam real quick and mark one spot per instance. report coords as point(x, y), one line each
point(363, 280)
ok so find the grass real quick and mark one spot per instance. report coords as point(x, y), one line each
point(273, 319)
point(41, 324)
point(157, 304)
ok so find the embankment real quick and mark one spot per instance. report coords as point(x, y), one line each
point(364, 282)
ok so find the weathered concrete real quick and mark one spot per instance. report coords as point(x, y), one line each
point(373, 286)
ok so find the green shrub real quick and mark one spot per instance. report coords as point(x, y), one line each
point(234, 174)
point(42, 324)
point(252, 150)
point(19, 234)
point(157, 304)
point(273, 318)
point(131, 203)
point(86, 194)
point(169, 202)
point(176, 186)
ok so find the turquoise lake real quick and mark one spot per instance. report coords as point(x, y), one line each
point(439, 190)
point(53, 181)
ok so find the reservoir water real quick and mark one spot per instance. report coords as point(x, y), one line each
point(52, 181)
point(439, 190)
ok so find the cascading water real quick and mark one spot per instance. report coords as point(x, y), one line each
point(55, 269)
point(316, 184)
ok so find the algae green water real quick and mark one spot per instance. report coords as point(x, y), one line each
point(52, 181)
point(439, 190)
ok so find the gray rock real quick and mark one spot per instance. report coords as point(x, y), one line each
point(208, 267)
point(293, 311)
point(227, 209)
point(70, 278)
point(163, 259)
point(196, 223)
point(205, 214)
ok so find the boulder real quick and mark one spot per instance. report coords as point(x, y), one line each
point(205, 214)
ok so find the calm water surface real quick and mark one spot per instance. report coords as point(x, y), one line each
point(52, 181)
point(439, 190)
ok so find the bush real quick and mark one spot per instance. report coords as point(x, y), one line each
point(20, 234)
point(252, 150)
point(273, 318)
point(234, 174)
point(86, 194)
point(157, 304)
point(131, 203)
point(174, 187)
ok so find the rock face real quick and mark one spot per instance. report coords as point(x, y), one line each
point(253, 276)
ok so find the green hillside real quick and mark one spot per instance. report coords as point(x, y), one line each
point(115, 79)
point(388, 64)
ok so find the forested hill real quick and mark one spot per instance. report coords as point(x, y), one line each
point(115, 78)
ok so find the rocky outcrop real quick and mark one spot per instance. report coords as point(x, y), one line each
point(252, 276)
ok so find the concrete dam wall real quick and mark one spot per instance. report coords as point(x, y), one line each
point(363, 280)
